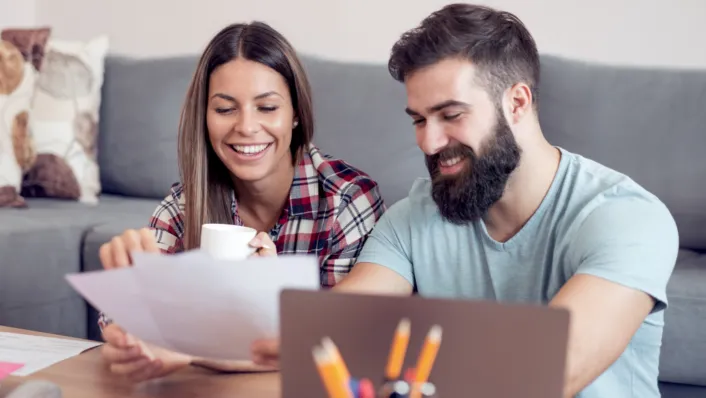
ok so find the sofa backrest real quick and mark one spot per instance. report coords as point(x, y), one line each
point(140, 106)
point(649, 124)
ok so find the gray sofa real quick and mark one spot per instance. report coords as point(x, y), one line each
point(648, 124)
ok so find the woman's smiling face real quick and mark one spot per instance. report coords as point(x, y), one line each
point(250, 118)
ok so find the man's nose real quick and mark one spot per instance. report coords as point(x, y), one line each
point(431, 139)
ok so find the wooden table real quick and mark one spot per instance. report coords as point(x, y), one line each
point(86, 375)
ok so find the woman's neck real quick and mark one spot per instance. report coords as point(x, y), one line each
point(260, 203)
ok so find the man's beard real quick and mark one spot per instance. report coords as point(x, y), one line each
point(467, 195)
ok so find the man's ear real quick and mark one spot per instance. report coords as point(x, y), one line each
point(520, 101)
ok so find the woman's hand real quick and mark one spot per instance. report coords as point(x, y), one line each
point(116, 253)
point(264, 245)
point(132, 358)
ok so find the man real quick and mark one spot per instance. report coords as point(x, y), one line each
point(507, 216)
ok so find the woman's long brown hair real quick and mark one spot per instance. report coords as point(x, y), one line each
point(206, 181)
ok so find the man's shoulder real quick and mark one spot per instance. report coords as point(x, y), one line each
point(599, 194)
point(590, 185)
point(417, 209)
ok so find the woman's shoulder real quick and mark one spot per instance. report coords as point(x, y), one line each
point(337, 176)
point(176, 193)
point(173, 202)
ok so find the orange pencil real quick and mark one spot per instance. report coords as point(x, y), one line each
point(330, 374)
point(426, 359)
point(333, 351)
point(395, 360)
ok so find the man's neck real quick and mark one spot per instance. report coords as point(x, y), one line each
point(526, 189)
point(260, 203)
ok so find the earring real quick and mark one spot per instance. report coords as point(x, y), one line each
point(296, 123)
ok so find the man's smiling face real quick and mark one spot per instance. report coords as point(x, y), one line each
point(469, 146)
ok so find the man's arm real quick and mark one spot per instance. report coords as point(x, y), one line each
point(625, 253)
point(373, 279)
point(604, 317)
point(384, 265)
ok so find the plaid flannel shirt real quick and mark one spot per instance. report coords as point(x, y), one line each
point(332, 209)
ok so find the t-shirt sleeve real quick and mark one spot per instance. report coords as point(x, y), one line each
point(633, 242)
point(389, 243)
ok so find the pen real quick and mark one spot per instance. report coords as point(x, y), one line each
point(395, 359)
point(330, 374)
point(426, 360)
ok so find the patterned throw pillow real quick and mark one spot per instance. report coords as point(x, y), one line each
point(64, 121)
point(21, 56)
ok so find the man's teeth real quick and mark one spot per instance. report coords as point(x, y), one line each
point(250, 149)
point(450, 162)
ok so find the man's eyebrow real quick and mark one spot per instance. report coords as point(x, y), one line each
point(447, 104)
point(438, 107)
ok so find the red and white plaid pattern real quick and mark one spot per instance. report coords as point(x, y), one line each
point(332, 209)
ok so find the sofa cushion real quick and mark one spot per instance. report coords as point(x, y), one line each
point(40, 245)
point(646, 123)
point(142, 101)
point(683, 343)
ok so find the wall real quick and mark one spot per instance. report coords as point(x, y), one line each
point(644, 32)
point(17, 13)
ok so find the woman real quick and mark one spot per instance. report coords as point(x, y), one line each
point(246, 158)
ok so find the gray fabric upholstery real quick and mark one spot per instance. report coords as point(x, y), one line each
point(42, 244)
point(672, 390)
point(139, 118)
point(648, 124)
point(684, 340)
point(37, 252)
point(360, 118)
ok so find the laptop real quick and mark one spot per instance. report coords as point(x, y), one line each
point(487, 350)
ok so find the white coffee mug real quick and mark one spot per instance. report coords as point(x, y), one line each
point(227, 242)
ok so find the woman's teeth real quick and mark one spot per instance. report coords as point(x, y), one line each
point(250, 149)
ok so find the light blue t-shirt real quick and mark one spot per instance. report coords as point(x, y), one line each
point(593, 220)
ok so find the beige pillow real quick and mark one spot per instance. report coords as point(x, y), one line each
point(21, 55)
point(64, 121)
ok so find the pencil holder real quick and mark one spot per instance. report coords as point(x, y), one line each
point(339, 383)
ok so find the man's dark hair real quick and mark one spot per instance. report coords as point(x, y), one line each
point(496, 42)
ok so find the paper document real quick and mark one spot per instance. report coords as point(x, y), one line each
point(194, 304)
point(37, 352)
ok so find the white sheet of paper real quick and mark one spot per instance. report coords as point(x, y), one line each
point(38, 352)
point(117, 293)
point(197, 305)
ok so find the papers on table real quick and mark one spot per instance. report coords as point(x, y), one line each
point(197, 305)
point(36, 352)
